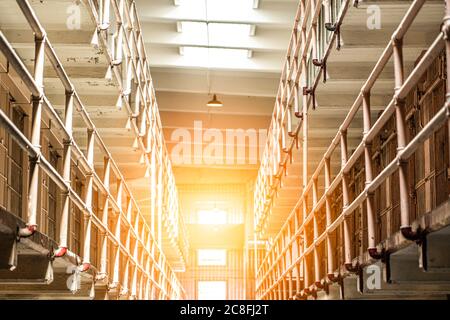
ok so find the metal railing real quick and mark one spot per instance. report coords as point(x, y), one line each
point(316, 30)
point(303, 252)
point(129, 66)
point(130, 256)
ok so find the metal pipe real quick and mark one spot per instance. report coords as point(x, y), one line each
point(405, 226)
point(384, 116)
point(330, 253)
point(64, 223)
point(32, 84)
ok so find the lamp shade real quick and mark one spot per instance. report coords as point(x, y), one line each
point(214, 103)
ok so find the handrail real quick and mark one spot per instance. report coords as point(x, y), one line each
point(268, 275)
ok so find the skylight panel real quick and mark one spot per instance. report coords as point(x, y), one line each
point(217, 8)
point(214, 57)
point(193, 32)
point(229, 34)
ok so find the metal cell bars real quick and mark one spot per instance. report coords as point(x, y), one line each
point(135, 253)
point(300, 237)
point(316, 28)
point(129, 66)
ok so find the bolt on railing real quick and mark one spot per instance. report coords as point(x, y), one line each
point(136, 249)
point(290, 254)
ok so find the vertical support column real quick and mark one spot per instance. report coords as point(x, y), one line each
point(119, 46)
point(304, 257)
point(105, 218)
point(305, 150)
point(298, 287)
point(160, 197)
point(330, 252)
point(104, 14)
point(405, 226)
point(371, 219)
point(446, 31)
point(153, 191)
point(88, 201)
point(64, 223)
point(117, 234)
point(345, 202)
point(134, 280)
point(116, 266)
point(33, 183)
point(291, 285)
point(125, 278)
point(316, 235)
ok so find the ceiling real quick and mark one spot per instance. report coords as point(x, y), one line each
point(233, 48)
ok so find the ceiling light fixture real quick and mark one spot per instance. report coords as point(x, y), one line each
point(215, 103)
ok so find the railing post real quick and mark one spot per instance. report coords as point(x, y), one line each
point(405, 226)
point(371, 219)
point(446, 31)
point(88, 200)
point(316, 234)
point(105, 219)
point(330, 253)
point(64, 224)
point(33, 186)
point(345, 201)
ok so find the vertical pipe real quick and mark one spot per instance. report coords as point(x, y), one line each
point(105, 14)
point(291, 285)
point(299, 276)
point(105, 218)
point(369, 176)
point(119, 46)
point(305, 131)
point(160, 200)
point(446, 31)
point(88, 201)
point(316, 235)
point(345, 201)
point(125, 278)
point(330, 253)
point(405, 226)
point(64, 224)
point(305, 264)
point(116, 266)
point(33, 187)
